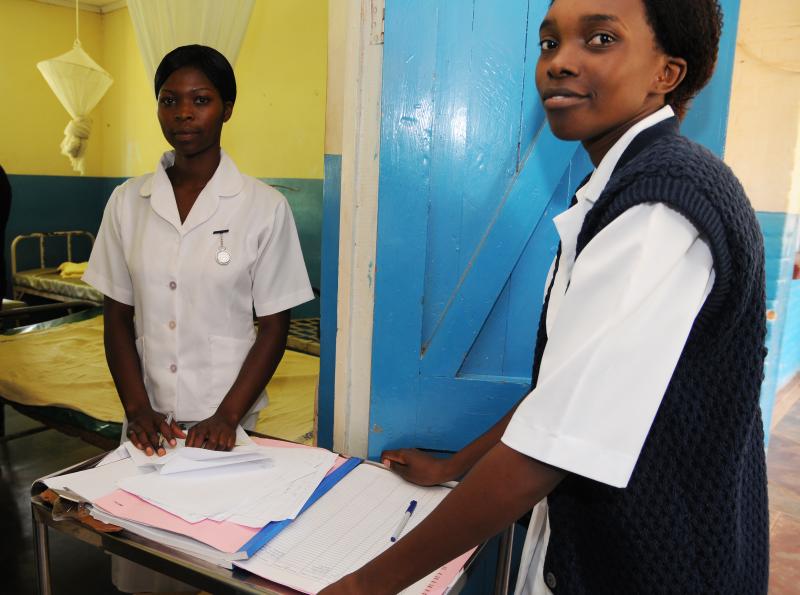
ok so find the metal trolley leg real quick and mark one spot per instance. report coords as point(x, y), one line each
point(503, 573)
point(41, 551)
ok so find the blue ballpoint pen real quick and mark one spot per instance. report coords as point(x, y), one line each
point(404, 521)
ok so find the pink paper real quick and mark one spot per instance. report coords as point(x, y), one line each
point(443, 578)
point(439, 582)
point(222, 535)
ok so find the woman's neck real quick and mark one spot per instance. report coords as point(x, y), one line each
point(194, 170)
point(598, 147)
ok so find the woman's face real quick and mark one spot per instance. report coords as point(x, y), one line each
point(600, 70)
point(191, 112)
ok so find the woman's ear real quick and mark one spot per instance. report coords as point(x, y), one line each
point(226, 115)
point(672, 73)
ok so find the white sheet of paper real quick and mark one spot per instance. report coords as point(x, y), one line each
point(94, 483)
point(283, 501)
point(181, 458)
point(253, 492)
point(346, 528)
point(197, 459)
point(115, 455)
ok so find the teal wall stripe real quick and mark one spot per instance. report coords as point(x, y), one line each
point(305, 198)
point(780, 232)
point(790, 343)
point(51, 203)
point(331, 202)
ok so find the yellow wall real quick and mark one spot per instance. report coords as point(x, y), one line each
point(337, 25)
point(32, 120)
point(763, 145)
point(278, 126)
point(132, 141)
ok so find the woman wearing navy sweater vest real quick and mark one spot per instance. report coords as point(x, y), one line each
point(640, 447)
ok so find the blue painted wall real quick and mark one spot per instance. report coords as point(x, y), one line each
point(779, 231)
point(51, 203)
point(305, 198)
point(331, 201)
point(790, 343)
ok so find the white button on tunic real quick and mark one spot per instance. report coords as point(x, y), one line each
point(194, 317)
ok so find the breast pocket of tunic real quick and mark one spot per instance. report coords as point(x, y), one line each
point(227, 357)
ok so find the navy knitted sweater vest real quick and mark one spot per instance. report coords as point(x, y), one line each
point(693, 518)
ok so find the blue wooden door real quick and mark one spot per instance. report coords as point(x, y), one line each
point(470, 179)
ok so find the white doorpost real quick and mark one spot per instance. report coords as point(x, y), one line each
point(358, 225)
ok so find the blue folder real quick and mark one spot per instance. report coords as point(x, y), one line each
point(270, 530)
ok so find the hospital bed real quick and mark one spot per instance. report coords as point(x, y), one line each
point(46, 281)
point(55, 372)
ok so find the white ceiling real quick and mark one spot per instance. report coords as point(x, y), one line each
point(101, 6)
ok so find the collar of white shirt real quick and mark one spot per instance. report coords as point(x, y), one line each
point(227, 181)
point(569, 223)
point(592, 190)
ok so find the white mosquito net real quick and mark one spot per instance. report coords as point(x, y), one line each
point(79, 83)
point(163, 25)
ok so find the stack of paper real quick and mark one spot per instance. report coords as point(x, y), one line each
point(207, 503)
point(223, 508)
point(250, 485)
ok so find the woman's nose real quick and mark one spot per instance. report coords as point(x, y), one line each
point(563, 63)
point(185, 111)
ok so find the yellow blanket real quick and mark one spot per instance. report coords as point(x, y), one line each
point(72, 270)
point(65, 366)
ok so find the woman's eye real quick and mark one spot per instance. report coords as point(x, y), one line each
point(547, 44)
point(202, 100)
point(601, 39)
point(167, 100)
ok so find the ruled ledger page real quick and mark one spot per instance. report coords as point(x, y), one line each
point(346, 528)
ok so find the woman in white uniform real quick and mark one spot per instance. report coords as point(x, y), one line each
point(184, 257)
point(640, 447)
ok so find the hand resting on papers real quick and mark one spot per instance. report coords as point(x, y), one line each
point(214, 433)
point(145, 428)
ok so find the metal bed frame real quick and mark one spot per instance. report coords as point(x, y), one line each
point(20, 290)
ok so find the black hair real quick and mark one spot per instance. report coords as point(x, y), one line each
point(207, 60)
point(688, 29)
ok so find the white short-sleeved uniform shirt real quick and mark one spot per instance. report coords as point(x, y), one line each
point(193, 315)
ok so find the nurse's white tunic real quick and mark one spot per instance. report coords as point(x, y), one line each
point(194, 316)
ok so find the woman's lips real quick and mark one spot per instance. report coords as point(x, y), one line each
point(563, 101)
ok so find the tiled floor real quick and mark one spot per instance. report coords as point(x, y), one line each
point(783, 468)
point(81, 569)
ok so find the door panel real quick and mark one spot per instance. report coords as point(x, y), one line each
point(470, 179)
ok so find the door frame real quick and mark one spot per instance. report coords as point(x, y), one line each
point(358, 223)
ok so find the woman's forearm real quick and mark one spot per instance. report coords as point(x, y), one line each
point(119, 338)
point(502, 486)
point(260, 364)
point(467, 457)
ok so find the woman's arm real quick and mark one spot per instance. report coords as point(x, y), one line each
point(218, 432)
point(423, 469)
point(500, 488)
point(119, 338)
